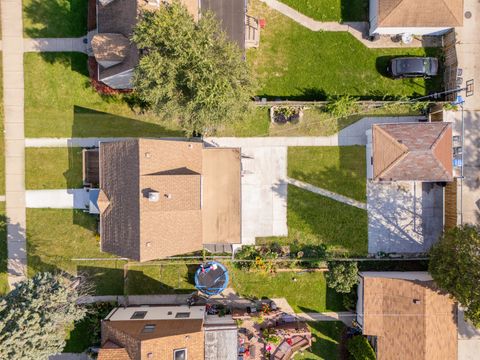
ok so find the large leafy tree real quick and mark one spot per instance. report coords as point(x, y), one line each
point(455, 267)
point(189, 69)
point(34, 316)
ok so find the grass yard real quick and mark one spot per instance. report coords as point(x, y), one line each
point(341, 169)
point(331, 10)
point(59, 102)
point(4, 288)
point(295, 63)
point(313, 219)
point(308, 294)
point(161, 279)
point(327, 335)
point(54, 18)
point(56, 236)
point(53, 168)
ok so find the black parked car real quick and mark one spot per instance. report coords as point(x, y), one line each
point(410, 67)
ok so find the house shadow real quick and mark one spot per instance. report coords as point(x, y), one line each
point(354, 10)
point(54, 15)
point(138, 282)
point(104, 280)
point(93, 123)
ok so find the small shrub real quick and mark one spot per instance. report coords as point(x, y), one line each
point(360, 349)
point(342, 106)
point(342, 275)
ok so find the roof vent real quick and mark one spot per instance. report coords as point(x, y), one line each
point(416, 301)
point(190, 146)
point(148, 155)
point(150, 355)
point(153, 196)
point(148, 244)
point(168, 196)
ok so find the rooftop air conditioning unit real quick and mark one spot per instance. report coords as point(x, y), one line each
point(153, 196)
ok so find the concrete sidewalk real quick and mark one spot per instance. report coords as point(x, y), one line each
point(13, 100)
point(57, 199)
point(344, 316)
point(55, 45)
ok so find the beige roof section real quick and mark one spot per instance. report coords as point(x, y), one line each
point(151, 199)
point(412, 321)
point(423, 13)
point(167, 336)
point(110, 47)
point(221, 196)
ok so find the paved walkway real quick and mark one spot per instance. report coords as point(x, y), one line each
point(57, 199)
point(2, 198)
point(358, 29)
point(55, 45)
point(13, 100)
point(326, 193)
point(344, 316)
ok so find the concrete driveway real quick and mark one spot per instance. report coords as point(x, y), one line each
point(404, 217)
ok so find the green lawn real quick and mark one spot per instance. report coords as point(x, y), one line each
point(59, 102)
point(293, 62)
point(314, 219)
point(53, 168)
point(331, 10)
point(56, 236)
point(54, 18)
point(161, 279)
point(341, 169)
point(327, 337)
point(309, 293)
point(3, 251)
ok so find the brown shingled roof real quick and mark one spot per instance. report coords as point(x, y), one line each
point(412, 152)
point(424, 13)
point(110, 47)
point(410, 319)
point(151, 197)
point(111, 351)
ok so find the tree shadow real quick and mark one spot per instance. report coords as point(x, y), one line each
point(3, 251)
point(55, 18)
point(329, 345)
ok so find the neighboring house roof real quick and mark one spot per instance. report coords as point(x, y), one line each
point(231, 14)
point(111, 351)
point(410, 318)
point(412, 151)
point(167, 336)
point(162, 198)
point(424, 13)
point(110, 47)
point(118, 17)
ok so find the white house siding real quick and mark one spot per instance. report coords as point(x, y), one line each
point(407, 30)
point(373, 15)
point(120, 81)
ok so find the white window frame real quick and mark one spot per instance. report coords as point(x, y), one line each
point(178, 350)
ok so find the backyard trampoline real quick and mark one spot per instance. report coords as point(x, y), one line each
point(211, 278)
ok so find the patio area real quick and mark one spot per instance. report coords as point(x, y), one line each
point(269, 333)
point(403, 216)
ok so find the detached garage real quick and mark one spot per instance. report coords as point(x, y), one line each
point(415, 17)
